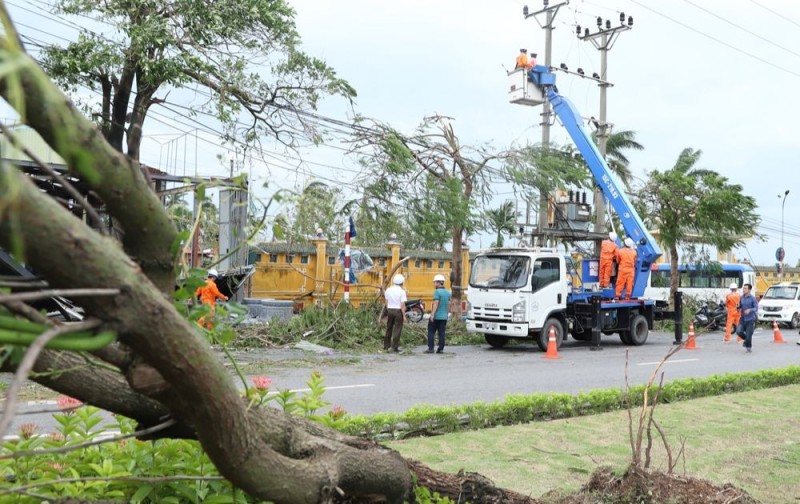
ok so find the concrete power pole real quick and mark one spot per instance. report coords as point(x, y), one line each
point(545, 18)
point(603, 40)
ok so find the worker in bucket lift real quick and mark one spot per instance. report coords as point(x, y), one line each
point(522, 60)
point(608, 252)
point(532, 61)
point(626, 261)
point(208, 294)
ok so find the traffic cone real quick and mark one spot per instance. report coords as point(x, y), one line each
point(690, 343)
point(552, 346)
point(777, 338)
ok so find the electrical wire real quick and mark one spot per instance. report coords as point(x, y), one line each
point(776, 13)
point(715, 39)
point(751, 32)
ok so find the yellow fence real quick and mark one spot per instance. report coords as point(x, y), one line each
point(313, 273)
point(766, 276)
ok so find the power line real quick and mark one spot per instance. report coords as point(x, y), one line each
point(715, 39)
point(741, 28)
point(776, 13)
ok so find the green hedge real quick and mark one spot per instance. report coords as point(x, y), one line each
point(521, 408)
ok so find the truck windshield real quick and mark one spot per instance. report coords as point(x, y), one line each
point(500, 272)
point(780, 293)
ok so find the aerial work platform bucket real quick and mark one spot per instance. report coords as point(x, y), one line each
point(521, 90)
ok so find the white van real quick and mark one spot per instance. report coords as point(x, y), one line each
point(781, 303)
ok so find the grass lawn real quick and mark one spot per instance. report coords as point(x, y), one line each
point(749, 439)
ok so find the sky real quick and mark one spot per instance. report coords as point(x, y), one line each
point(715, 75)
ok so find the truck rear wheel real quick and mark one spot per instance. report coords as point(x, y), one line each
point(639, 330)
point(496, 341)
point(544, 334)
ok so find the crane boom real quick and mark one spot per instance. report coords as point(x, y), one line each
point(647, 250)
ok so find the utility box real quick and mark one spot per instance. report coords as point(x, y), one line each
point(521, 90)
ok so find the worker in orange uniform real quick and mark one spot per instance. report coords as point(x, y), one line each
point(208, 294)
point(608, 252)
point(532, 61)
point(626, 261)
point(522, 60)
point(732, 304)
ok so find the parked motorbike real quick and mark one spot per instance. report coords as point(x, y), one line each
point(415, 309)
point(711, 316)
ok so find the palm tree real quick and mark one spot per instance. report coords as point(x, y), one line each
point(616, 145)
point(503, 219)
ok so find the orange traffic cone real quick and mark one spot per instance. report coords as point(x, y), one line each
point(690, 343)
point(777, 338)
point(552, 347)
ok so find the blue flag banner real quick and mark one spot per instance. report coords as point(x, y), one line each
point(352, 228)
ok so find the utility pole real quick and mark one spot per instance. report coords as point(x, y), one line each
point(603, 40)
point(545, 18)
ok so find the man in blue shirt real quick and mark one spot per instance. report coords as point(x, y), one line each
point(439, 313)
point(749, 309)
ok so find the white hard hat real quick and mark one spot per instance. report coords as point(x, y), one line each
point(629, 242)
point(398, 279)
point(612, 236)
point(213, 272)
point(439, 278)
point(734, 286)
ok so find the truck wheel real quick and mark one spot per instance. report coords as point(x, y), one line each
point(544, 334)
point(495, 340)
point(795, 323)
point(625, 337)
point(639, 331)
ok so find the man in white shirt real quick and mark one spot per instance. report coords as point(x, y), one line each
point(396, 309)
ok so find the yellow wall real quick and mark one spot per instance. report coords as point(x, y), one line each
point(767, 276)
point(309, 280)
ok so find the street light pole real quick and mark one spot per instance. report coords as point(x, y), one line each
point(783, 205)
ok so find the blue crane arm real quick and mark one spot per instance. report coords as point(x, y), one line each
point(647, 250)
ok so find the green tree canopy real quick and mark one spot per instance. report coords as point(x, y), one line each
point(617, 144)
point(689, 205)
point(241, 58)
point(501, 220)
point(430, 178)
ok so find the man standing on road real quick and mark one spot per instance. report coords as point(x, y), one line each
point(396, 309)
point(749, 309)
point(439, 313)
point(732, 305)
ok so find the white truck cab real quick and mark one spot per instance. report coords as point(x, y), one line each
point(513, 293)
point(781, 303)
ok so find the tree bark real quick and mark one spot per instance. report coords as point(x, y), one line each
point(266, 453)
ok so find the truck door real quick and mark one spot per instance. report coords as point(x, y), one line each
point(549, 289)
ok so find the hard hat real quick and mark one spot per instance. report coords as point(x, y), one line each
point(439, 278)
point(213, 272)
point(398, 279)
point(629, 242)
point(523, 50)
point(734, 286)
point(612, 236)
point(533, 54)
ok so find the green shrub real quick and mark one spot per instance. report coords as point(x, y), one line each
point(521, 408)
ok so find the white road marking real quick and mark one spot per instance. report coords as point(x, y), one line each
point(360, 385)
point(671, 361)
point(339, 387)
